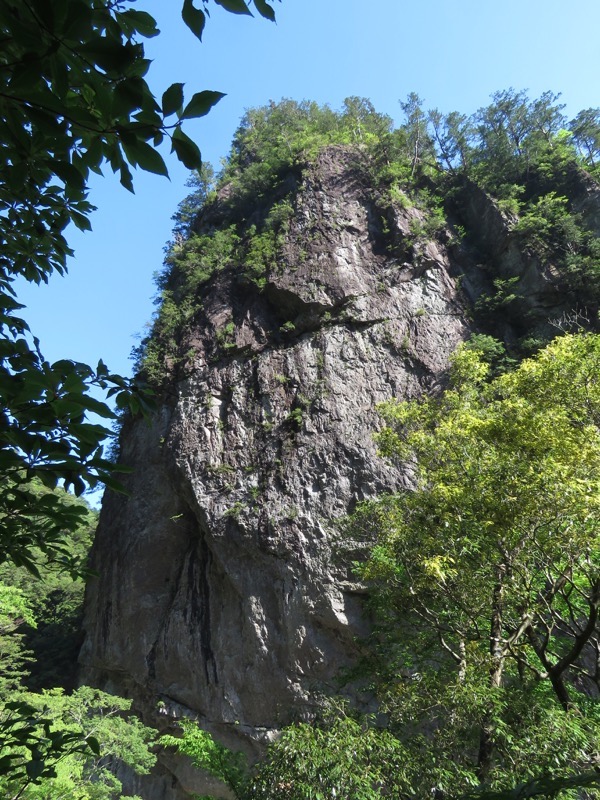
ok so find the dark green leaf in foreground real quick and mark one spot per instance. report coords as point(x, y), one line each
point(234, 6)
point(172, 99)
point(186, 149)
point(193, 17)
point(200, 104)
point(265, 10)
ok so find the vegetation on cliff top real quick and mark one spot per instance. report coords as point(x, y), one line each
point(523, 153)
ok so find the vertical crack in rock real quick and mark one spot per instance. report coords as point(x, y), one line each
point(197, 609)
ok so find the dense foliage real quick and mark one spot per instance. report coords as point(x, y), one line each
point(344, 758)
point(45, 635)
point(61, 746)
point(57, 741)
point(490, 568)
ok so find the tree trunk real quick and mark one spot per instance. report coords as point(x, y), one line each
point(486, 736)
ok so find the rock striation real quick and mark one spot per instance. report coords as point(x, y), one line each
point(218, 594)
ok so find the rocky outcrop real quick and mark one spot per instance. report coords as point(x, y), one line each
point(218, 593)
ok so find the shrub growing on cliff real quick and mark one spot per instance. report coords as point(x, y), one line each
point(209, 755)
point(340, 757)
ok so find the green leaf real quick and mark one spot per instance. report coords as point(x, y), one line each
point(234, 6)
point(186, 150)
point(81, 221)
point(142, 154)
point(94, 745)
point(34, 769)
point(200, 104)
point(138, 21)
point(89, 403)
point(126, 178)
point(129, 94)
point(172, 99)
point(109, 54)
point(265, 10)
point(193, 18)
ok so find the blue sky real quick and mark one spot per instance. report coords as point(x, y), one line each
point(454, 54)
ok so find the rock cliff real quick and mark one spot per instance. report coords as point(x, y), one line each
point(218, 593)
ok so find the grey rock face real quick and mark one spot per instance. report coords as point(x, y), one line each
point(218, 595)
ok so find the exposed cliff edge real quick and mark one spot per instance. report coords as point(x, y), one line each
point(217, 594)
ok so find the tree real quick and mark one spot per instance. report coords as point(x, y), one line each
point(451, 133)
point(586, 133)
point(365, 124)
point(419, 142)
point(89, 730)
point(201, 182)
point(73, 98)
point(486, 576)
point(338, 757)
point(209, 755)
point(49, 635)
point(14, 611)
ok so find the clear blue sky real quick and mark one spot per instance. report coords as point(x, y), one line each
point(453, 53)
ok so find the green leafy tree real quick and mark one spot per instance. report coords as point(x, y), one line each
point(51, 632)
point(202, 183)
point(420, 146)
point(30, 747)
point(209, 755)
point(340, 758)
point(65, 745)
point(337, 757)
point(363, 123)
point(586, 133)
point(486, 576)
point(511, 134)
point(54, 746)
point(451, 134)
point(14, 612)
